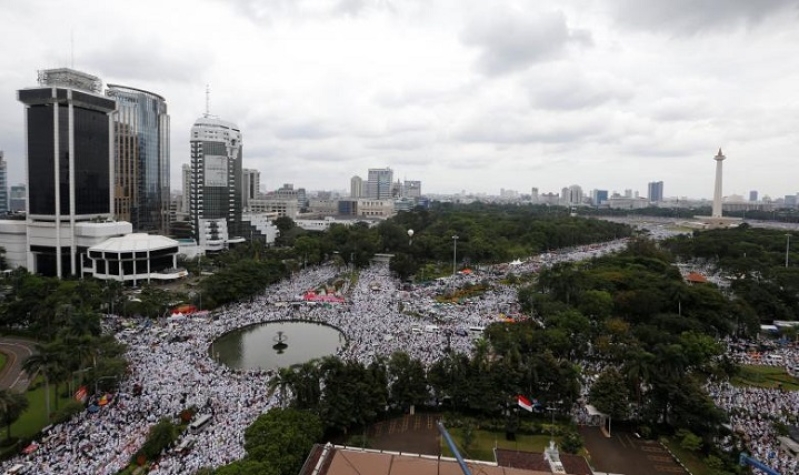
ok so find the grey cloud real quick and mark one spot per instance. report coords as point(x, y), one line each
point(557, 128)
point(694, 16)
point(574, 92)
point(146, 60)
point(313, 130)
point(681, 109)
point(511, 41)
point(406, 141)
point(265, 11)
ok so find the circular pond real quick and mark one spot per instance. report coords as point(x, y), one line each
point(275, 345)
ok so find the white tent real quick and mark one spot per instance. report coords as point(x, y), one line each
point(593, 411)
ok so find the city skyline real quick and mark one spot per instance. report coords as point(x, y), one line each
point(602, 94)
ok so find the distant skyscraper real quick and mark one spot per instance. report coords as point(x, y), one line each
point(186, 198)
point(251, 184)
point(141, 148)
point(356, 187)
point(599, 197)
point(575, 195)
point(753, 195)
point(379, 183)
point(69, 129)
point(4, 208)
point(215, 174)
point(17, 200)
point(534, 195)
point(790, 201)
point(628, 193)
point(655, 191)
point(413, 189)
point(396, 190)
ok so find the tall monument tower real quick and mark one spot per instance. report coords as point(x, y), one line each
point(719, 158)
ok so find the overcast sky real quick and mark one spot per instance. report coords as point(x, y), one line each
point(462, 94)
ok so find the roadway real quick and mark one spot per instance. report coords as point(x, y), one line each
point(16, 350)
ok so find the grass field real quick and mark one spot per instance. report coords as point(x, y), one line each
point(694, 463)
point(766, 377)
point(33, 419)
point(484, 441)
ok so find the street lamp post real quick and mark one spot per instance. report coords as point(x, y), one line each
point(454, 253)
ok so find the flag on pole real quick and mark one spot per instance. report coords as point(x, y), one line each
point(524, 403)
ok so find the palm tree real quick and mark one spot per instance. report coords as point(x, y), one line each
point(12, 405)
point(678, 292)
point(281, 380)
point(638, 369)
point(49, 361)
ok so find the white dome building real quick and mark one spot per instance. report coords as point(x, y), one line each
point(133, 258)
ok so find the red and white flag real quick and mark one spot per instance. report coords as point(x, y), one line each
point(525, 403)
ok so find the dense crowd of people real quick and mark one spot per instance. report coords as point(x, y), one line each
point(756, 412)
point(172, 365)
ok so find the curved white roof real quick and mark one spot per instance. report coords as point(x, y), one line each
point(135, 242)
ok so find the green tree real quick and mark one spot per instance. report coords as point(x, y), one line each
point(688, 440)
point(403, 265)
point(609, 394)
point(572, 442)
point(408, 381)
point(161, 436)
point(12, 405)
point(247, 467)
point(282, 438)
point(47, 360)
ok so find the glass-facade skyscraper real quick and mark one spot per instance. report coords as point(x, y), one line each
point(379, 183)
point(4, 208)
point(141, 159)
point(216, 175)
point(655, 191)
point(68, 123)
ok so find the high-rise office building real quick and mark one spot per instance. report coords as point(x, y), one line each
point(753, 195)
point(356, 187)
point(599, 197)
point(575, 195)
point(534, 195)
point(69, 173)
point(412, 189)
point(141, 162)
point(565, 196)
point(17, 198)
point(216, 175)
point(185, 171)
point(655, 191)
point(251, 185)
point(379, 183)
point(4, 208)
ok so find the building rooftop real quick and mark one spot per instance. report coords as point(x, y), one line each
point(135, 242)
point(535, 462)
point(338, 460)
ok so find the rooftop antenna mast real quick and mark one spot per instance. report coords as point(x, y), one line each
point(207, 100)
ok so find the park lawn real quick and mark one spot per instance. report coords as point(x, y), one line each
point(35, 417)
point(696, 465)
point(484, 441)
point(3, 361)
point(770, 377)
